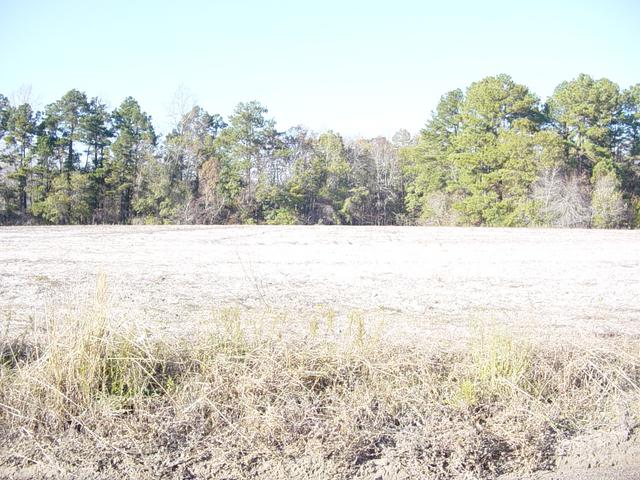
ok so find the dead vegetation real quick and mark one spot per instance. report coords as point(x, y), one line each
point(85, 399)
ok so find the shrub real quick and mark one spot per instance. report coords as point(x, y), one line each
point(281, 216)
point(608, 205)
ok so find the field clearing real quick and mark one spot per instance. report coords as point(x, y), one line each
point(255, 352)
point(425, 282)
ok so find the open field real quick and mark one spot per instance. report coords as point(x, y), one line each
point(426, 280)
point(319, 352)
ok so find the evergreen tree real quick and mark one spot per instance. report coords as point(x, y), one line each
point(64, 119)
point(489, 155)
point(134, 142)
point(21, 128)
point(244, 149)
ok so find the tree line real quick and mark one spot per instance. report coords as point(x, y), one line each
point(493, 154)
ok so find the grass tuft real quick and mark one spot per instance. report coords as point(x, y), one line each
point(241, 401)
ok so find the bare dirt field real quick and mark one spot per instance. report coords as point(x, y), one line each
point(425, 282)
point(424, 286)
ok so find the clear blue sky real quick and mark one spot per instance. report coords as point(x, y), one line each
point(358, 67)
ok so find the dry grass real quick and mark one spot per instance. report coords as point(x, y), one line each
point(86, 399)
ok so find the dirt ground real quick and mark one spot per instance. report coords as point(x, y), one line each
point(425, 282)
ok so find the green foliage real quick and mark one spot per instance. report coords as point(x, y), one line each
point(68, 202)
point(189, 146)
point(631, 121)
point(426, 171)
point(64, 118)
point(354, 206)
point(320, 182)
point(134, 139)
point(96, 130)
point(497, 103)
point(20, 129)
point(479, 157)
point(281, 216)
point(603, 169)
point(243, 148)
point(491, 154)
point(155, 201)
point(587, 113)
point(635, 213)
point(500, 365)
point(336, 170)
point(4, 114)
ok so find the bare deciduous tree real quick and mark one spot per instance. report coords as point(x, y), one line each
point(564, 199)
point(609, 208)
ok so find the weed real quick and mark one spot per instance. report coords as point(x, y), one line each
point(234, 397)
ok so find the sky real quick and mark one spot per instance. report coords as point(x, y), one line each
point(361, 68)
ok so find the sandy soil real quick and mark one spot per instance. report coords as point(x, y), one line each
point(428, 282)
